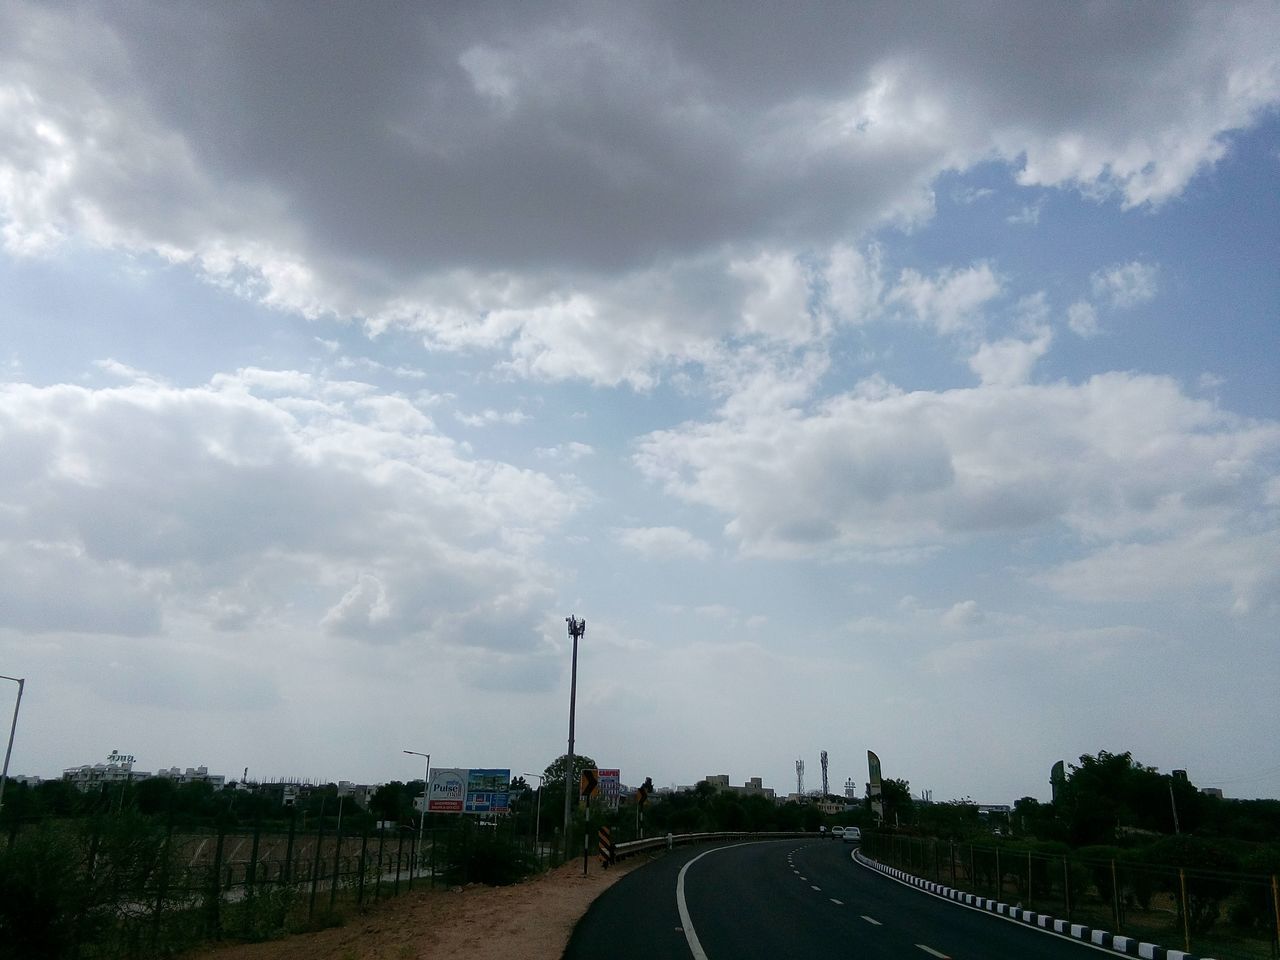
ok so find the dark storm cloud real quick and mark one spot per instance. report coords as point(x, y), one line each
point(405, 140)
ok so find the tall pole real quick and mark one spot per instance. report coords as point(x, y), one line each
point(537, 823)
point(426, 786)
point(576, 630)
point(13, 728)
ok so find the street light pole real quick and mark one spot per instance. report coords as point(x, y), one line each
point(576, 630)
point(537, 823)
point(13, 728)
point(426, 786)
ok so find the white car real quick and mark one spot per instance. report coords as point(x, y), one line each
point(852, 835)
point(837, 832)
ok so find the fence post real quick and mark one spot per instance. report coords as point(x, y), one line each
point(337, 863)
point(951, 855)
point(999, 877)
point(1115, 896)
point(431, 881)
point(1066, 887)
point(315, 863)
point(288, 850)
point(1275, 905)
point(162, 881)
point(364, 846)
point(1028, 879)
point(251, 874)
point(215, 893)
point(1186, 921)
point(973, 887)
point(399, 857)
point(377, 882)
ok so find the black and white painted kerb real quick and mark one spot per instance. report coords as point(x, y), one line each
point(1126, 946)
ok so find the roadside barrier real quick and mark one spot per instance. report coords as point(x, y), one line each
point(668, 841)
point(1126, 946)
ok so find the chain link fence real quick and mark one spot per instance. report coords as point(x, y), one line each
point(123, 885)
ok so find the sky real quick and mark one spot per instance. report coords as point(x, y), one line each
point(898, 377)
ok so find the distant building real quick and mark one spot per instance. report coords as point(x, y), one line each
point(193, 775)
point(752, 788)
point(362, 793)
point(90, 777)
point(1212, 792)
point(119, 769)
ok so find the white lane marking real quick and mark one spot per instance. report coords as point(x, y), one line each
point(805, 879)
point(686, 922)
point(812, 887)
point(838, 903)
point(932, 951)
point(872, 920)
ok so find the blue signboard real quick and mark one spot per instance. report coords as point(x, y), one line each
point(487, 791)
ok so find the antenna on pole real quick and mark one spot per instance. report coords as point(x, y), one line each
point(800, 777)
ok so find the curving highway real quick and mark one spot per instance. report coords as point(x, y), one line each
point(789, 898)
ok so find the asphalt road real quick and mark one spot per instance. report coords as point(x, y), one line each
point(788, 898)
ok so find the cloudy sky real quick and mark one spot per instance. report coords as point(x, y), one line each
point(877, 376)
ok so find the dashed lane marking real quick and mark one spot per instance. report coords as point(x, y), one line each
point(932, 952)
point(838, 903)
point(872, 920)
point(812, 887)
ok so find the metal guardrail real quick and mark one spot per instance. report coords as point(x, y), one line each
point(669, 841)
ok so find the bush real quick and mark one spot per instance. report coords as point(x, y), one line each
point(45, 905)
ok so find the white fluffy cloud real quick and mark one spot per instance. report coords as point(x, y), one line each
point(1116, 456)
point(1126, 284)
point(346, 507)
point(661, 543)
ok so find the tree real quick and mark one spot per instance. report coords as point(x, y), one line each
point(553, 783)
point(1105, 794)
point(556, 769)
point(899, 807)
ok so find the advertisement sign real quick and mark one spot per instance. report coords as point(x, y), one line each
point(462, 790)
point(487, 791)
point(447, 790)
point(610, 787)
point(873, 788)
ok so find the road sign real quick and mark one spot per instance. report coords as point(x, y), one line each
point(589, 783)
point(606, 847)
point(610, 787)
point(643, 791)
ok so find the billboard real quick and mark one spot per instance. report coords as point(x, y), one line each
point(487, 790)
point(463, 790)
point(610, 787)
point(447, 790)
point(873, 787)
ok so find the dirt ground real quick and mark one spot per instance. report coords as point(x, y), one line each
point(532, 920)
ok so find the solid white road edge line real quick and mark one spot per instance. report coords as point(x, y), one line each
point(986, 913)
point(686, 922)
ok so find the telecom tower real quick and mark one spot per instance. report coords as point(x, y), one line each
point(825, 791)
point(800, 777)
